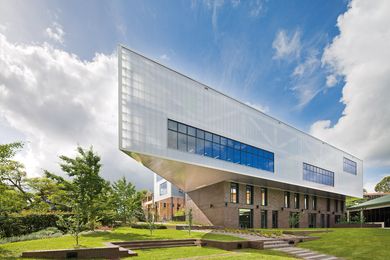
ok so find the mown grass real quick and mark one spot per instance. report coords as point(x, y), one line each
point(211, 253)
point(99, 238)
point(353, 243)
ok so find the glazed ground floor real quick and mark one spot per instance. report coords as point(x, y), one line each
point(238, 205)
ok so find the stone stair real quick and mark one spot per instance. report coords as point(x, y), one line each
point(147, 244)
point(272, 244)
point(306, 253)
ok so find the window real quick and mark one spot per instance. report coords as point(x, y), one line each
point(249, 195)
point(264, 196)
point(312, 220)
point(234, 192)
point(296, 200)
point(318, 175)
point(165, 205)
point(193, 140)
point(349, 166)
point(286, 199)
point(327, 204)
point(306, 201)
point(314, 201)
point(274, 219)
point(263, 216)
point(336, 205)
point(342, 206)
point(163, 188)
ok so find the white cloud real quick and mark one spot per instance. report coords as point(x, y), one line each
point(259, 107)
point(57, 101)
point(287, 46)
point(164, 57)
point(306, 79)
point(55, 32)
point(331, 80)
point(360, 55)
point(255, 8)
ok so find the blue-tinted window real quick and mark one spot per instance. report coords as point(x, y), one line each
point(208, 148)
point(200, 133)
point(199, 146)
point(172, 139)
point(182, 128)
point(191, 144)
point(190, 139)
point(349, 166)
point(216, 150)
point(216, 138)
point(318, 175)
point(208, 136)
point(191, 131)
point(163, 188)
point(172, 125)
point(182, 142)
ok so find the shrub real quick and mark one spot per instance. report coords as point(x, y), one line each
point(17, 225)
point(146, 226)
point(45, 233)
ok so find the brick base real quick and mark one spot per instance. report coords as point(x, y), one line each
point(211, 206)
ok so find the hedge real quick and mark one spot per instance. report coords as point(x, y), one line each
point(146, 226)
point(11, 226)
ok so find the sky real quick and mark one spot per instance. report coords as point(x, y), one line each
point(320, 66)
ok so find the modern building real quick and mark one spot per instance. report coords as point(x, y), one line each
point(374, 211)
point(168, 199)
point(238, 166)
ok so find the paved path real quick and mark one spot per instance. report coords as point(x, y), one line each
point(304, 253)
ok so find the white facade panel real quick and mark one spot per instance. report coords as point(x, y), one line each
point(150, 94)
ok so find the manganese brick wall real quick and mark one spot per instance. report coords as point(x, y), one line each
point(211, 206)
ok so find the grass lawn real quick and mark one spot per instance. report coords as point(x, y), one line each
point(209, 253)
point(97, 239)
point(353, 243)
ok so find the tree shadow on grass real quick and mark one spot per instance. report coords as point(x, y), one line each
point(112, 236)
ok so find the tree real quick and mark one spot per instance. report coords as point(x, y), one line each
point(127, 201)
point(11, 200)
point(12, 172)
point(73, 224)
point(294, 219)
point(189, 221)
point(87, 185)
point(383, 185)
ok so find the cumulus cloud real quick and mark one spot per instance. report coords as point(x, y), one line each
point(57, 101)
point(360, 55)
point(56, 33)
point(287, 46)
point(331, 81)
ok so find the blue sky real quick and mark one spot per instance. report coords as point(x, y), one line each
point(269, 54)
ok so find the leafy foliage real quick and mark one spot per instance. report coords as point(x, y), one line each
point(383, 185)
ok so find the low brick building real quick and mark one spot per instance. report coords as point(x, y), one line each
point(260, 207)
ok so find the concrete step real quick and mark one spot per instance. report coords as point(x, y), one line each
point(274, 242)
point(153, 241)
point(161, 246)
point(276, 246)
point(132, 245)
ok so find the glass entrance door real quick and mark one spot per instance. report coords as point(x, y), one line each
point(275, 219)
point(245, 218)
